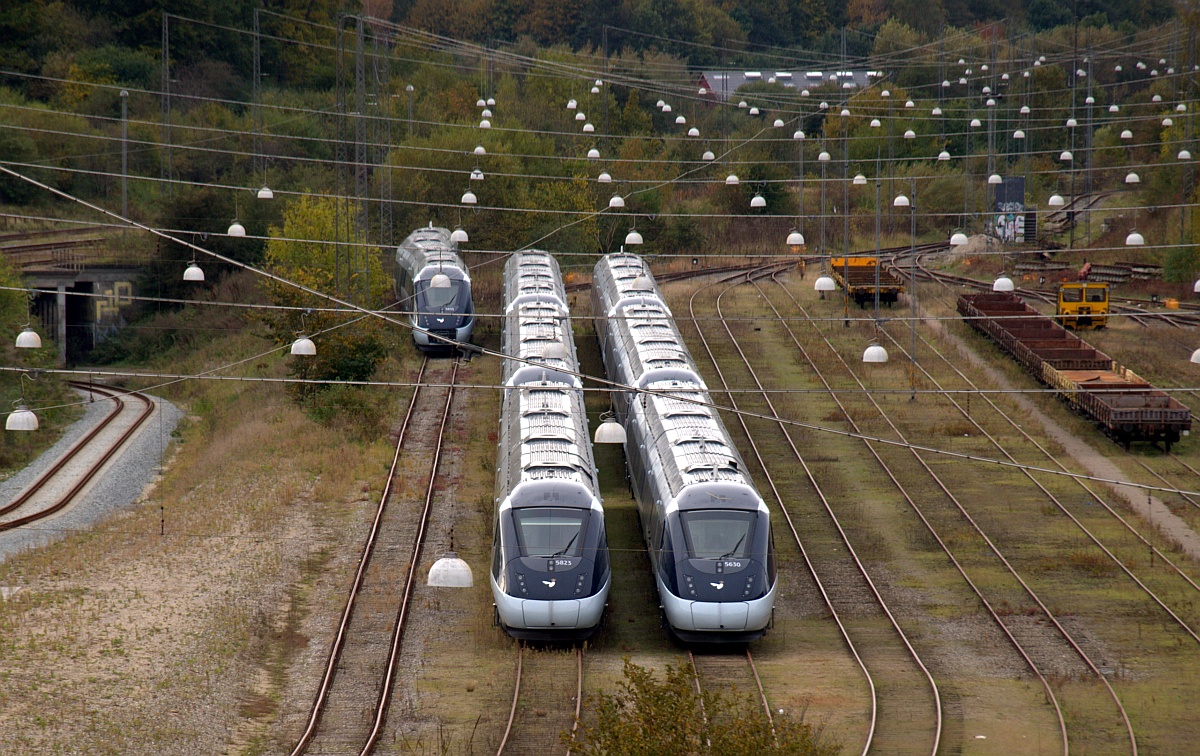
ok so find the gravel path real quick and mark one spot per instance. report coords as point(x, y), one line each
point(117, 487)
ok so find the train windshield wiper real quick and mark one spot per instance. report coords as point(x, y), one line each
point(733, 551)
point(563, 550)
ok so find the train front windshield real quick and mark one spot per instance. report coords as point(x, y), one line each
point(430, 299)
point(718, 534)
point(550, 531)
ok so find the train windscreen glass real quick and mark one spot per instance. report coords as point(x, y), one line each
point(550, 531)
point(440, 298)
point(718, 534)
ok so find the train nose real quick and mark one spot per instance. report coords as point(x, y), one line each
point(708, 615)
point(551, 613)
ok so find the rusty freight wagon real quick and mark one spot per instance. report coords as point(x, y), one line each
point(857, 276)
point(1126, 407)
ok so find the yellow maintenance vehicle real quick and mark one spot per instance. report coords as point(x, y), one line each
point(1082, 305)
point(857, 276)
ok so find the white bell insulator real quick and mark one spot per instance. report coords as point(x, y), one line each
point(875, 123)
point(991, 103)
point(1132, 178)
point(742, 104)
point(572, 104)
point(984, 67)
point(236, 229)
point(660, 104)
point(731, 180)
point(1156, 98)
point(1004, 77)
point(1066, 156)
point(481, 103)
point(1184, 155)
point(486, 113)
point(798, 134)
point(491, 102)
point(1114, 108)
point(1089, 100)
point(604, 177)
point(304, 347)
point(633, 238)
point(910, 104)
point(901, 201)
point(943, 155)
point(1025, 110)
point(1072, 123)
point(588, 128)
point(1018, 134)
point(995, 179)
point(702, 91)
point(469, 198)
point(459, 236)
point(976, 123)
point(875, 353)
point(485, 124)
point(693, 132)
point(1003, 283)
point(708, 155)
point(1037, 63)
point(758, 201)
point(21, 419)
point(439, 281)
point(479, 150)
point(945, 83)
point(1181, 108)
point(666, 108)
point(824, 283)
point(1134, 239)
point(1196, 356)
point(1041, 59)
point(598, 83)
point(1196, 287)
point(986, 90)
point(962, 81)
point(1127, 134)
point(824, 157)
point(28, 339)
point(778, 123)
point(1056, 200)
point(595, 90)
point(1080, 73)
point(936, 111)
point(593, 154)
point(581, 116)
point(477, 175)
point(642, 283)
point(1118, 68)
point(555, 350)
point(824, 105)
point(266, 193)
point(845, 113)
point(1168, 122)
point(450, 572)
point(610, 432)
point(796, 239)
point(860, 180)
point(680, 120)
point(804, 93)
point(958, 239)
point(754, 111)
point(193, 272)
point(885, 93)
point(616, 201)
point(910, 134)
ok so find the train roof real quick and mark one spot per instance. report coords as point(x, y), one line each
point(429, 251)
point(622, 280)
point(649, 337)
point(536, 319)
point(545, 441)
point(533, 276)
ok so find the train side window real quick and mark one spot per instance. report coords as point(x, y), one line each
point(1097, 295)
point(497, 557)
point(1072, 295)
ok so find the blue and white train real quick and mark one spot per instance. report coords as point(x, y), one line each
point(432, 285)
point(550, 569)
point(707, 530)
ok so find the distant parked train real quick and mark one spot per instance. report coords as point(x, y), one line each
point(707, 530)
point(550, 570)
point(432, 285)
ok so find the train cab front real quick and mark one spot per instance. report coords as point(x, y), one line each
point(717, 574)
point(550, 571)
point(444, 308)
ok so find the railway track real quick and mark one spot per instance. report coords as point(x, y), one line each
point(875, 639)
point(722, 669)
point(539, 713)
point(350, 706)
point(60, 485)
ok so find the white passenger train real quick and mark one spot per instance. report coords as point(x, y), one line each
point(550, 570)
point(707, 530)
point(432, 283)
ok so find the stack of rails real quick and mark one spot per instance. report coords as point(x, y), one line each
point(550, 571)
point(707, 530)
point(1126, 407)
point(434, 289)
point(856, 275)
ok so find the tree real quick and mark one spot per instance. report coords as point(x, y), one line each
point(668, 717)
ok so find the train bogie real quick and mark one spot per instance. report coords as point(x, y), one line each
point(550, 571)
point(433, 288)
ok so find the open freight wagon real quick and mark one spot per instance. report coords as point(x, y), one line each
point(1125, 406)
point(857, 276)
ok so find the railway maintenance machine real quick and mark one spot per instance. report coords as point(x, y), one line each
point(1082, 306)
